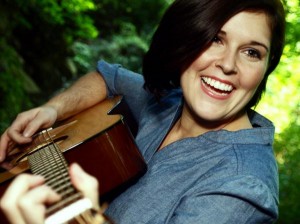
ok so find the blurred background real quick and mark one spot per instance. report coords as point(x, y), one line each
point(47, 44)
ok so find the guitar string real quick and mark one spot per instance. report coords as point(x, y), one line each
point(55, 163)
point(46, 159)
point(42, 164)
point(68, 193)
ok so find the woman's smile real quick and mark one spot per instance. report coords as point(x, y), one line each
point(216, 88)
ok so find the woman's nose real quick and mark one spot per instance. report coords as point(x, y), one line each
point(227, 62)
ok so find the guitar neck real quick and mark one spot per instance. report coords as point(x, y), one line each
point(50, 163)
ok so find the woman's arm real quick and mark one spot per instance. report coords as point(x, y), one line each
point(85, 92)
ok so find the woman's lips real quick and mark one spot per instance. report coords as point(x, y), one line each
point(216, 88)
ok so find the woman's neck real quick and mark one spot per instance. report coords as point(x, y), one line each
point(191, 125)
point(187, 126)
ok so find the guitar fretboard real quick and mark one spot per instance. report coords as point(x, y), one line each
point(50, 163)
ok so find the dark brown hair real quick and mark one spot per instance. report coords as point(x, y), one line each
point(189, 26)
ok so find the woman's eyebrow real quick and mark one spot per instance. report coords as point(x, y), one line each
point(253, 42)
point(259, 44)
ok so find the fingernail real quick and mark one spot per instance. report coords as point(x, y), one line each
point(26, 134)
point(39, 178)
point(76, 166)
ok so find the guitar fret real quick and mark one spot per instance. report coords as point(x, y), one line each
point(64, 202)
point(53, 174)
point(39, 157)
point(49, 162)
point(43, 171)
point(59, 184)
point(64, 189)
point(56, 180)
point(48, 171)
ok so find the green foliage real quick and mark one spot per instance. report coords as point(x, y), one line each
point(125, 27)
point(11, 84)
point(281, 104)
point(36, 40)
point(112, 14)
point(293, 32)
point(287, 148)
point(125, 48)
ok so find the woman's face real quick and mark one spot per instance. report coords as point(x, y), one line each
point(225, 76)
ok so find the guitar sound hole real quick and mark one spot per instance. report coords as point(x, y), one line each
point(24, 155)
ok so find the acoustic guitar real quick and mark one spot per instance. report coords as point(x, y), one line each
point(99, 141)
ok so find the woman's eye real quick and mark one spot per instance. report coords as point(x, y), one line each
point(253, 53)
point(217, 40)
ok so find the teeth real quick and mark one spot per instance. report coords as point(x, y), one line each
point(217, 84)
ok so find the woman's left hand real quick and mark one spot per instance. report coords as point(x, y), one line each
point(26, 198)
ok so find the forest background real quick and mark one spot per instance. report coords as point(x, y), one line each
point(47, 44)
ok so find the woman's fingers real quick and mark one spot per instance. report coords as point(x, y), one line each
point(85, 183)
point(32, 205)
point(45, 117)
point(24, 126)
point(25, 199)
point(5, 141)
point(10, 199)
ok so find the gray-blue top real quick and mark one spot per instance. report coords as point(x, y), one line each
point(217, 177)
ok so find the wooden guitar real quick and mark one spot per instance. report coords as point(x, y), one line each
point(102, 144)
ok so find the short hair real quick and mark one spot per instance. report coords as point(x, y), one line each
point(189, 26)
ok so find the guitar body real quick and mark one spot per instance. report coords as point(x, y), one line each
point(102, 144)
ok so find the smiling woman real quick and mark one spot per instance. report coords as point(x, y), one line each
point(228, 63)
point(182, 38)
point(209, 156)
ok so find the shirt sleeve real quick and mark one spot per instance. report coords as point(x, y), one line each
point(123, 82)
point(244, 200)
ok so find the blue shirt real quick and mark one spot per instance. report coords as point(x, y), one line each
point(217, 177)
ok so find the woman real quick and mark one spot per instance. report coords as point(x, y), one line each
point(209, 156)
